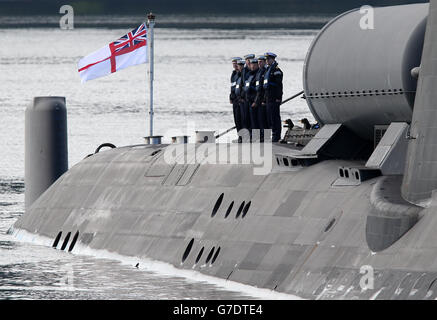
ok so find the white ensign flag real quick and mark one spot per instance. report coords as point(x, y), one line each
point(129, 50)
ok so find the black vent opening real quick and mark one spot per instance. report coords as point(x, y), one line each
point(215, 255)
point(246, 208)
point(74, 241)
point(217, 205)
point(64, 245)
point(229, 209)
point(58, 237)
point(199, 255)
point(187, 250)
point(210, 255)
point(240, 209)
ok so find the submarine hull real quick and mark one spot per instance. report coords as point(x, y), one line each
point(298, 230)
point(318, 224)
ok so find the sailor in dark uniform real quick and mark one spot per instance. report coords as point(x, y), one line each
point(273, 95)
point(233, 97)
point(246, 68)
point(245, 115)
point(250, 93)
point(239, 96)
point(259, 102)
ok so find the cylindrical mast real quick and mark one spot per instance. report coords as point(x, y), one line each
point(151, 24)
point(46, 151)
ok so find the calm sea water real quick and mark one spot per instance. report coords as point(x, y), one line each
point(192, 69)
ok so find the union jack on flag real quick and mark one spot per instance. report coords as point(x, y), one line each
point(130, 49)
point(134, 39)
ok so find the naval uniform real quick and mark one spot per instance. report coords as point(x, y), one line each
point(259, 99)
point(240, 103)
point(273, 97)
point(250, 95)
point(246, 67)
point(245, 72)
point(235, 100)
point(244, 105)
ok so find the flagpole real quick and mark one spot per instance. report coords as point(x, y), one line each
point(151, 24)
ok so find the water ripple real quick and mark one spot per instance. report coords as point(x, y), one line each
point(11, 186)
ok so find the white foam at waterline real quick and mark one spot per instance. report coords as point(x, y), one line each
point(40, 288)
point(161, 268)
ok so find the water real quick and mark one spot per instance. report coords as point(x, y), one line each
point(192, 70)
point(222, 21)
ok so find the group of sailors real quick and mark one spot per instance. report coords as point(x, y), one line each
point(256, 94)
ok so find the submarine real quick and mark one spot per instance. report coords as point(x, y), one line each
point(347, 212)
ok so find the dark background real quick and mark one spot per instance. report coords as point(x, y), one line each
point(238, 7)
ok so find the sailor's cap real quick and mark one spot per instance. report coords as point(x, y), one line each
point(262, 57)
point(249, 56)
point(254, 61)
point(236, 59)
point(241, 62)
point(270, 54)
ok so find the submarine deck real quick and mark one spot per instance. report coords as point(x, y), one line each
point(294, 230)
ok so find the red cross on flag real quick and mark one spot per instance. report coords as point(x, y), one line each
point(129, 50)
